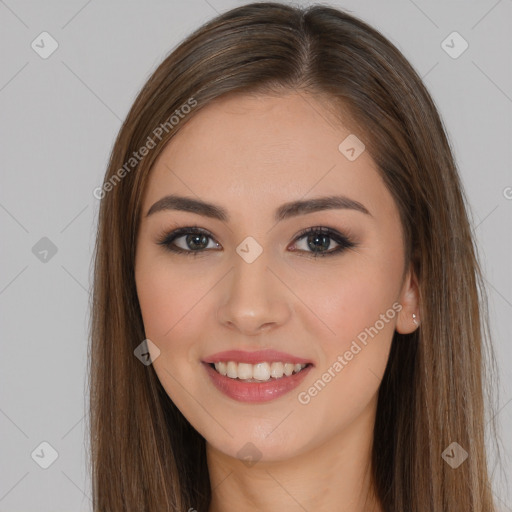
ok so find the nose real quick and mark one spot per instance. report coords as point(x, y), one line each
point(254, 299)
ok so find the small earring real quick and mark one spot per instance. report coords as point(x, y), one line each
point(414, 319)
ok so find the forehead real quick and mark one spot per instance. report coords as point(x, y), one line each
point(261, 149)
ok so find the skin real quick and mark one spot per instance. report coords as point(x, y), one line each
point(251, 154)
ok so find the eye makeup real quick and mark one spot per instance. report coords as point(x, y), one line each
point(196, 236)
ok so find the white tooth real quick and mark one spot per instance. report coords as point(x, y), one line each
point(221, 367)
point(288, 369)
point(232, 370)
point(276, 370)
point(244, 371)
point(261, 371)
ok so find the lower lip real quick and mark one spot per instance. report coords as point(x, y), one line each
point(256, 391)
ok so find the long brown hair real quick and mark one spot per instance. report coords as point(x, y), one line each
point(144, 454)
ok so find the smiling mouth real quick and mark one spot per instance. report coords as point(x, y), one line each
point(260, 372)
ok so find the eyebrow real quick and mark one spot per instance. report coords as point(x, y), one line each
point(285, 211)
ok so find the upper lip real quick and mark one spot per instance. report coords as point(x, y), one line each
point(259, 356)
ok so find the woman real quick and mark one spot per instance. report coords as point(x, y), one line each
point(232, 368)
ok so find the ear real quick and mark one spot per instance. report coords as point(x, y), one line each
point(409, 299)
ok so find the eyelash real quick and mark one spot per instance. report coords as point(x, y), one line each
point(343, 241)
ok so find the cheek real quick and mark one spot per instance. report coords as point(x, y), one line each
point(167, 298)
point(170, 302)
point(354, 303)
point(347, 300)
point(357, 308)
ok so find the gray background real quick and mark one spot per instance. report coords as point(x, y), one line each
point(59, 117)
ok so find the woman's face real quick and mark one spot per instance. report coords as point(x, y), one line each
point(252, 283)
